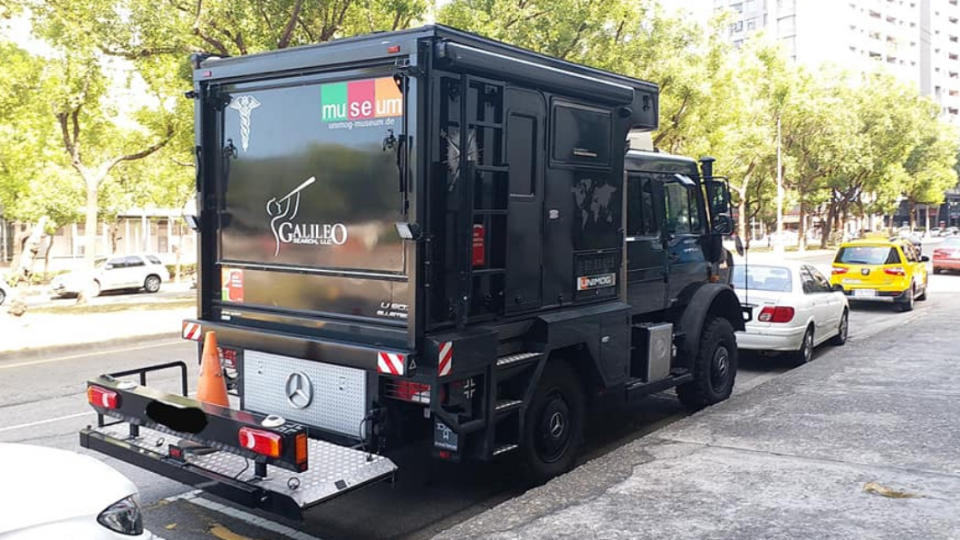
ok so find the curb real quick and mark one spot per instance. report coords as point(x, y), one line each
point(35, 352)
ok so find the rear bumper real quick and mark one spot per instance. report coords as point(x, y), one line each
point(770, 339)
point(882, 296)
point(947, 264)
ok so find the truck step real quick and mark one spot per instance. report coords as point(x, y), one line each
point(512, 359)
point(507, 405)
point(504, 448)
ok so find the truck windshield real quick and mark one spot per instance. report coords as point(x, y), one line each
point(312, 176)
point(867, 255)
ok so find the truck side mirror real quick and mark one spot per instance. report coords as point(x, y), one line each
point(722, 224)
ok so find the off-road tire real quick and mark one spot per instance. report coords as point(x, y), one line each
point(152, 283)
point(843, 330)
point(559, 394)
point(714, 368)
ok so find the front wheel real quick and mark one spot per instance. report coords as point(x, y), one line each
point(714, 368)
point(151, 284)
point(553, 426)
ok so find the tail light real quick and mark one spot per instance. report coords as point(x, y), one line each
point(839, 270)
point(261, 442)
point(101, 397)
point(404, 390)
point(776, 314)
point(941, 253)
point(895, 271)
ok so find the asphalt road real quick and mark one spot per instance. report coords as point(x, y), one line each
point(42, 402)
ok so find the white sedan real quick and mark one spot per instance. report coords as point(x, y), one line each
point(53, 493)
point(794, 309)
point(120, 272)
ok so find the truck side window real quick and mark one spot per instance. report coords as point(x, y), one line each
point(641, 220)
point(581, 135)
point(521, 153)
point(677, 208)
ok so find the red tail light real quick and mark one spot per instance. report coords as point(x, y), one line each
point(838, 270)
point(101, 397)
point(261, 442)
point(776, 314)
point(895, 271)
point(413, 392)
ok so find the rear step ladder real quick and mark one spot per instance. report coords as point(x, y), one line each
point(508, 408)
point(141, 436)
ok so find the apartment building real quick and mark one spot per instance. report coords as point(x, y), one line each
point(918, 41)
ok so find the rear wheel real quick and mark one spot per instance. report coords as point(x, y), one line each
point(714, 368)
point(937, 270)
point(151, 284)
point(805, 353)
point(842, 331)
point(553, 427)
point(907, 305)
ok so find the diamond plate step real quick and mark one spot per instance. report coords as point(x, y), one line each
point(333, 469)
point(512, 359)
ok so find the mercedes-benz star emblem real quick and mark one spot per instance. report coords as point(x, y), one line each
point(299, 390)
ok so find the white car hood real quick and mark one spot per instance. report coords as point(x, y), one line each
point(43, 485)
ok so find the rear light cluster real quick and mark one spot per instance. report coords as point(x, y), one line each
point(270, 444)
point(776, 314)
point(101, 397)
point(262, 442)
point(895, 271)
point(838, 270)
point(942, 253)
point(413, 392)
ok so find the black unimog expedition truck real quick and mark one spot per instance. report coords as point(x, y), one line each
point(427, 236)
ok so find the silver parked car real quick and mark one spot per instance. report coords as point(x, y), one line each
point(145, 272)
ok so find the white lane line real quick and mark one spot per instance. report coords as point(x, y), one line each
point(47, 421)
point(193, 497)
point(85, 355)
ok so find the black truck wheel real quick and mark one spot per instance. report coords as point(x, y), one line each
point(714, 368)
point(553, 427)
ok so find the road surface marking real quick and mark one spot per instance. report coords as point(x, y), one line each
point(47, 421)
point(93, 353)
point(193, 497)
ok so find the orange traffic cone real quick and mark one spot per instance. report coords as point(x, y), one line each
point(212, 387)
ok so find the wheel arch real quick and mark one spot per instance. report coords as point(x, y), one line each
point(712, 299)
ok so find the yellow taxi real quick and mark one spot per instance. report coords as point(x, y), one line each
point(880, 270)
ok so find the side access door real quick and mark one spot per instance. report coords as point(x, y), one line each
point(683, 228)
point(525, 113)
point(646, 256)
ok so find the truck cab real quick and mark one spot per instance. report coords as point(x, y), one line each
point(428, 236)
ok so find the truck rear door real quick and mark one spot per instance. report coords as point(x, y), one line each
point(309, 192)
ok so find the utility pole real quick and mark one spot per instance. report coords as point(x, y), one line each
point(778, 245)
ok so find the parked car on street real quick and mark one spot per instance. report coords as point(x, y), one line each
point(794, 309)
point(145, 272)
point(5, 290)
point(53, 493)
point(946, 256)
point(881, 271)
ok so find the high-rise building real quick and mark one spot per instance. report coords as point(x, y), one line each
point(918, 41)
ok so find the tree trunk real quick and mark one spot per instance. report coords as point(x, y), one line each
point(827, 227)
point(90, 224)
point(742, 219)
point(46, 257)
point(802, 229)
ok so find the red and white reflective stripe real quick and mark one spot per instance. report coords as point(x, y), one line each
point(445, 362)
point(192, 330)
point(392, 363)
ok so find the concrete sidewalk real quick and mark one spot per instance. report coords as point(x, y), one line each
point(862, 443)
